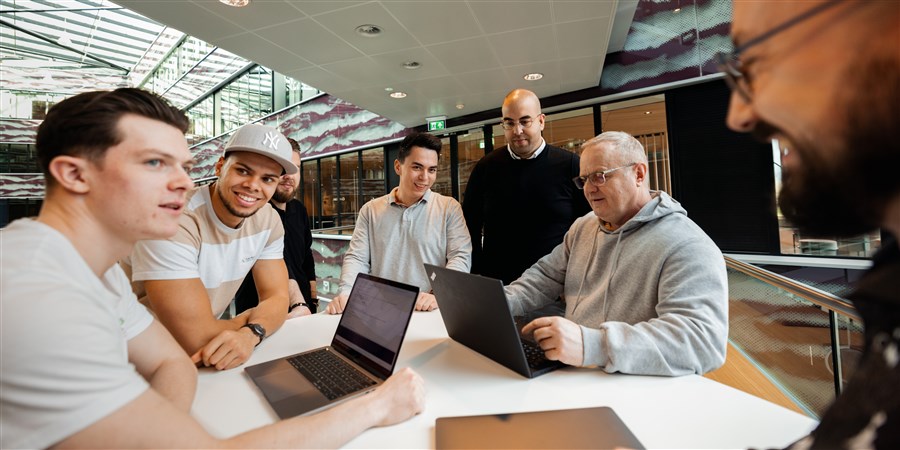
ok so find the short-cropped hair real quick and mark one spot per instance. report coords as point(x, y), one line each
point(424, 140)
point(629, 149)
point(87, 124)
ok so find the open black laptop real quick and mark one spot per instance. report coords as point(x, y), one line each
point(581, 428)
point(361, 356)
point(476, 315)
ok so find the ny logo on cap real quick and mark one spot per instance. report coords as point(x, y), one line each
point(271, 140)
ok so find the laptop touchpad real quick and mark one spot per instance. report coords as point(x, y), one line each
point(285, 383)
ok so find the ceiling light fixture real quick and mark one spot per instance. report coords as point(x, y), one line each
point(411, 65)
point(368, 30)
point(236, 3)
point(389, 89)
point(460, 106)
point(648, 112)
point(677, 10)
point(533, 76)
point(398, 94)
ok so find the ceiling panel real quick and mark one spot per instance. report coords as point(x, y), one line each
point(465, 56)
point(471, 51)
point(433, 22)
point(343, 23)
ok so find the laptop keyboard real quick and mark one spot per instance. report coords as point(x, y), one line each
point(534, 355)
point(330, 374)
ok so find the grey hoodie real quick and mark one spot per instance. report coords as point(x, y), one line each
point(651, 297)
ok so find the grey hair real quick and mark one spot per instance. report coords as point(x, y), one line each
point(628, 148)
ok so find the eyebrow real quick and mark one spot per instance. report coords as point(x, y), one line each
point(251, 169)
point(166, 155)
point(520, 118)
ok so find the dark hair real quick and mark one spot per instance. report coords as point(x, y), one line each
point(87, 124)
point(295, 146)
point(423, 140)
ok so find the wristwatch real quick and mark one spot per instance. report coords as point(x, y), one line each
point(258, 330)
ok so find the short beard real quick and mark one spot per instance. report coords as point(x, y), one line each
point(849, 196)
point(231, 209)
point(284, 197)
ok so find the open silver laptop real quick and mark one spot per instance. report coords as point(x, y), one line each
point(580, 428)
point(361, 356)
point(476, 315)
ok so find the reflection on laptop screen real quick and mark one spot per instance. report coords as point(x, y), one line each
point(379, 311)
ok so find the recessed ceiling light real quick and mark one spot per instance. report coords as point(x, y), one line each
point(368, 30)
point(677, 10)
point(236, 3)
point(648, 112)
point(533, 76)
point(460, 106)
point(389, 89)
point(411, 65)
point(398, 94)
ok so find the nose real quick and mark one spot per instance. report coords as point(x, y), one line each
point(182, 180)
point(741, 114)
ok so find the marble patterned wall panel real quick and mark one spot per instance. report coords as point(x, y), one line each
point(22, 185)
point(665, 45)
point(323, 125)
point(18, 131)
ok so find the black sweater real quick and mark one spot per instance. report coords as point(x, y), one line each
point(523, 207)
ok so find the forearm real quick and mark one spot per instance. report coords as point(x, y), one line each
point(176, 381)
point(270, 313)
point(331, 428)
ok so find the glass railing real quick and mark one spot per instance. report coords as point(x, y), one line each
point(796, 335)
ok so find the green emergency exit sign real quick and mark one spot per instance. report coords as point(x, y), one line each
point(436, 123)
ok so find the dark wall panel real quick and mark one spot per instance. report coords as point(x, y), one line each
point(723, 179)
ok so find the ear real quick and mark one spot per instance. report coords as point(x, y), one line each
point(70, 173)
point(397, 166)
point(640, 173)
point(541, 121)
point(219, 164)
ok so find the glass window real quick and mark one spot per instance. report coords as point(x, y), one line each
point(296, 91)
point(247, 98)
point(645, 119)
point(373, 174)
point(570, 129)
point(349, 188)
point(311, 192)
point(329, 191)
point(470, 150)
point(202, 121)
point(18, 158)
point(442, 184)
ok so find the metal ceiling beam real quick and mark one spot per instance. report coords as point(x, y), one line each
point(53, 42)
point(21, 11)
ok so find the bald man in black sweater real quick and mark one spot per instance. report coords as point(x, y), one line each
point(520, 196)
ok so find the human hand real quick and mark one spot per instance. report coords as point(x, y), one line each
point(560, 339)
point(400, 397)
point(337, 304)
point(298, 311)
point(227, 350)
point(426, 302)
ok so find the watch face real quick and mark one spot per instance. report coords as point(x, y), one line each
point(257, 329)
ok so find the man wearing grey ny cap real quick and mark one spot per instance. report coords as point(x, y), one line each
point(228, 229)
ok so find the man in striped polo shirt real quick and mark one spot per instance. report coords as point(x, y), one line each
point(228, 230)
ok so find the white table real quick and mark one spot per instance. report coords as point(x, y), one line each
point(681, 412)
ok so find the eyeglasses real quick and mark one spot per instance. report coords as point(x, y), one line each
point(511, 124)
point(596, 178)
point(730, 63)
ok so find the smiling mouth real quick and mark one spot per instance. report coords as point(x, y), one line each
point(246, 198)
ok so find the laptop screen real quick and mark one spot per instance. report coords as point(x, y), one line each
point(375, 319)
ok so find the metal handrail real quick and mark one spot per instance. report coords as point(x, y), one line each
point(816, 296)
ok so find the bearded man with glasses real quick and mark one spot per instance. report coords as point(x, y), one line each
point(823, 79)
point(645, 288)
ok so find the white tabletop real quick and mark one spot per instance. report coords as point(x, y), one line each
point(663, 412)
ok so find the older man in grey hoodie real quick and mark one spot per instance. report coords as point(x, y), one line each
point(645, 288)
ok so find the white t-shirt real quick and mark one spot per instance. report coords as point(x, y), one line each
point(63, 340)
point(206, 248)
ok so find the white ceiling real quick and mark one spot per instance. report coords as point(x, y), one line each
point(472, 52)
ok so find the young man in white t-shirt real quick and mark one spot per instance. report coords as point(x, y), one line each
point(83, 363)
